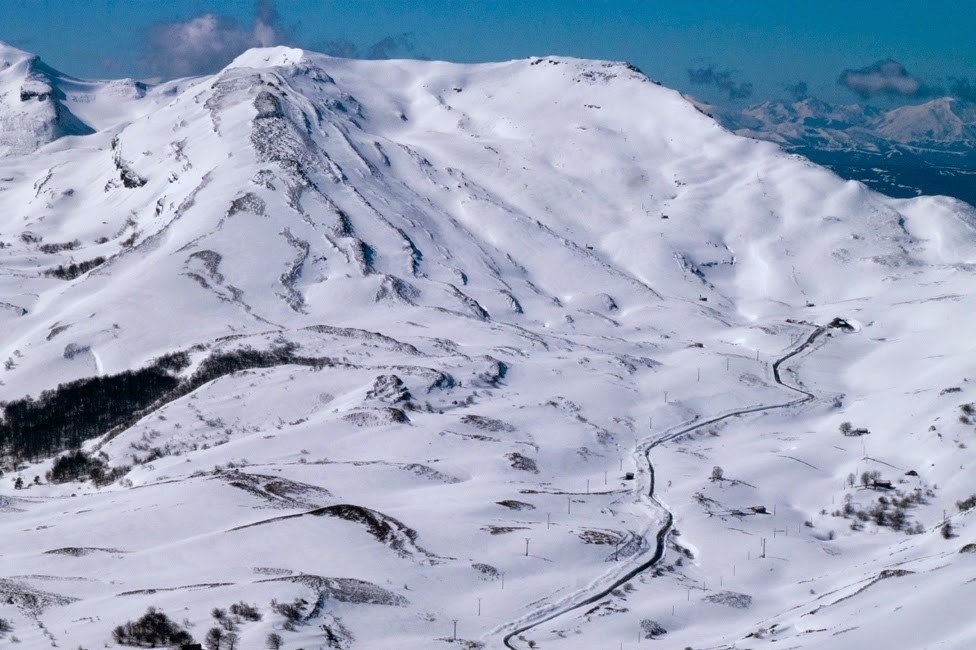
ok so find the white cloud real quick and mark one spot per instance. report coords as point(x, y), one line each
point(208, 42)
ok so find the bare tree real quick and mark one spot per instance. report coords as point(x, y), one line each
point(868, 478)
point(718, 474)
point(213, 638)
point(898, 518)
point(274, 641)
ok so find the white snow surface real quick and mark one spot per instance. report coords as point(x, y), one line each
point(563, 264)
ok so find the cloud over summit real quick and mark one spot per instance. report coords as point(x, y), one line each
point(208, 42)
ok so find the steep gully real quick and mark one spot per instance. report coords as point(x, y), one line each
point(582, 599)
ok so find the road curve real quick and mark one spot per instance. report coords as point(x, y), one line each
point(662, 535)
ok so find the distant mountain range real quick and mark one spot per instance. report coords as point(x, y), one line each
point(927, 148)
point(943, 124)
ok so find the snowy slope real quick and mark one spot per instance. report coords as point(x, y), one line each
point(486, 291)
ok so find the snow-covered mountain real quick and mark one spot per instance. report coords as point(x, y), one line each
point(32, 110)
point(529, 354)
point(809, 121)
point(945, 121)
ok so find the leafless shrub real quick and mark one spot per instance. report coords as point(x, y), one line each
point(966, 504)
point(245, 611)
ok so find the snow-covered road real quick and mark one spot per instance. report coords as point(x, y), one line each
point(658, 512)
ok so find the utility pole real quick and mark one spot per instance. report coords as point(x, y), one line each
point(548, 520)
point(526, 547)
point(479, 606)
point(454, 620)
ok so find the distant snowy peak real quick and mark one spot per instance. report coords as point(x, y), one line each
point(39, 104)
point(812, 112)
point(944, 122)
point(32, 108)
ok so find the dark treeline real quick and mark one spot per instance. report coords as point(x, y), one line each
point(67, 416)
point(73, 412)
point(218, 365)
point(74, 269)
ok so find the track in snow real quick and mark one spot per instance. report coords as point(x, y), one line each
point(547, 614)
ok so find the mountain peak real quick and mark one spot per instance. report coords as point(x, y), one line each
point(935, 121)
point(268, 57)
point(32, 112)
point(10, 55)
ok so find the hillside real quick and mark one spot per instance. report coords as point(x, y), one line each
point(381, 340)
point(906, 151)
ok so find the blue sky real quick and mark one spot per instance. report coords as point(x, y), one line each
point(719, 51)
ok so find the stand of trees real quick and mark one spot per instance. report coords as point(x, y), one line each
point(65, 417)
point(77, 465)
point(74, 269)
point(153, 629)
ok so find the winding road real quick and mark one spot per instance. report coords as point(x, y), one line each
point(586, 597)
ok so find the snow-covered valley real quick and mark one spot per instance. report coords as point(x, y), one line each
point(440, 355)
